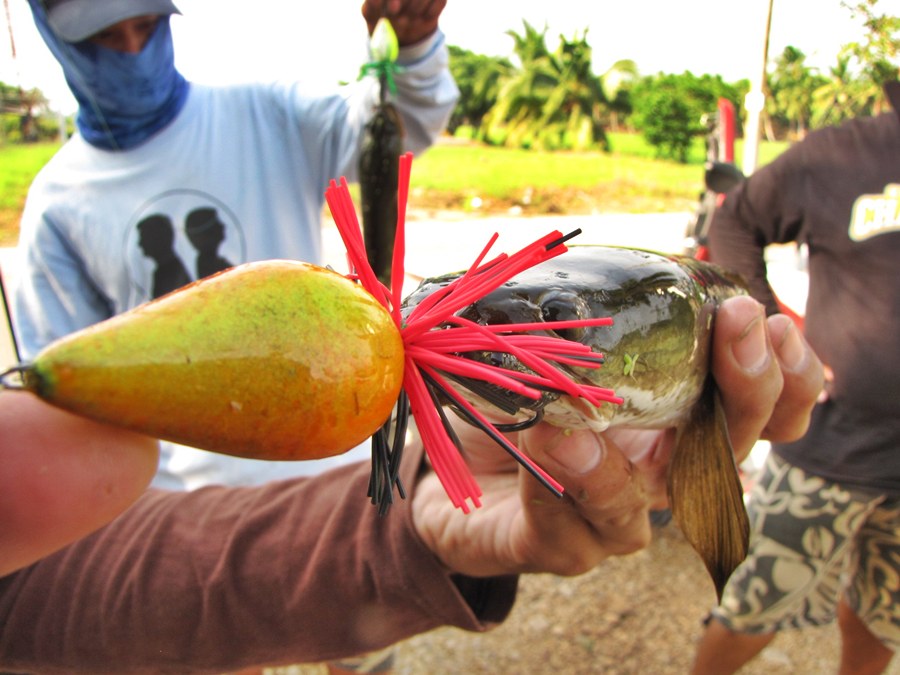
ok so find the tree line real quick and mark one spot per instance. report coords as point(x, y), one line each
point(25, 115)
point(552, 100)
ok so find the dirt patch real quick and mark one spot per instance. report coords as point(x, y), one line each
point(613, 197)
point(9, 226)
point(635, 615)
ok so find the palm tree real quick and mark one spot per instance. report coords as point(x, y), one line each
point(519, 100)
point(553, 101)
point(832, 101)
point(479, 79)
point(617, 82)
point(791, 85)
point(855, 86)
point(875, 54)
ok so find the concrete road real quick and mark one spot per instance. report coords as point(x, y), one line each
point(451, 244)
point(448, 245)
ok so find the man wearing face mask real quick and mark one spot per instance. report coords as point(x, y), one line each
point(126, 84)
point(151, 144)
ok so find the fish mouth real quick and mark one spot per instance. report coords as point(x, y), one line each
point(512, 411)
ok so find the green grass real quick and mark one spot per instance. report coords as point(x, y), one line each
point(19, 164)
point(461, 175)
point(553, 181)
point(628, 179)
point(634, 145)
point(768, 150)
point(498, 171)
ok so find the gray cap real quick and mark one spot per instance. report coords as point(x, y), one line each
point(76, 20)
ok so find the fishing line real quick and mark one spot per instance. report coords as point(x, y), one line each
point(12, 332)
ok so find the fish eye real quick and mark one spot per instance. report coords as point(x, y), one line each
point(565, 306)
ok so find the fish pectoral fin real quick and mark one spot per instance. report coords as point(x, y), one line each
point(705, 490)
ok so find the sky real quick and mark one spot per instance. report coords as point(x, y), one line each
point(222, 41)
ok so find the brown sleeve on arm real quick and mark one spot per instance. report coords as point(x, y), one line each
point(764, 209)
point(219, 578)
point(736, 244)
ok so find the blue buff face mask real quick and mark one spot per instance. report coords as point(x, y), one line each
point(123, 99)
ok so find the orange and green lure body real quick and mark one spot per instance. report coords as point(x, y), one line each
point(276, 360)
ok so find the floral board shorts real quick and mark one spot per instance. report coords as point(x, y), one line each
point(812, 542)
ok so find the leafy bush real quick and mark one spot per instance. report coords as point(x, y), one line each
point(669, 110)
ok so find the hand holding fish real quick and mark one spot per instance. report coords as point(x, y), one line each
point(769, 393)
point(769, 379)
point(412, 20)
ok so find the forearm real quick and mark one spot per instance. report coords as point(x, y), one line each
point(298, 571)
point(736, 245)
point(766, 208)
point(51, 295)
point(426, 92)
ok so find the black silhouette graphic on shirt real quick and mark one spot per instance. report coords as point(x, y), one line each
point(206, 232)
point(157, 240)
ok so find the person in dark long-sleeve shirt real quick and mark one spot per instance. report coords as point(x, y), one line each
point(828, 503)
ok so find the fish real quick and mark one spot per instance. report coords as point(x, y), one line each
point(656, 357)
point(379, 160)
point(378, 180)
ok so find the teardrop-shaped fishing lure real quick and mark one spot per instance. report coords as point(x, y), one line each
point(276, 360)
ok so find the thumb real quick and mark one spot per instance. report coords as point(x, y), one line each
point(604, 490)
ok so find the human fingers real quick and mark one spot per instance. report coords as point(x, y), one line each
point(63, 477)
point(803, 376)
point(751, 375)
point(412, 20)
point(372, 11)
point(415, 9)
point(609, 490)
point(521, 526)
point(745, 369)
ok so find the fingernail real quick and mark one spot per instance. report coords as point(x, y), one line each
point(578, 452)
point(751, 349)
point(791, 350)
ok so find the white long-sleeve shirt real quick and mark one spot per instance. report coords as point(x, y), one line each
point(238, 176)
